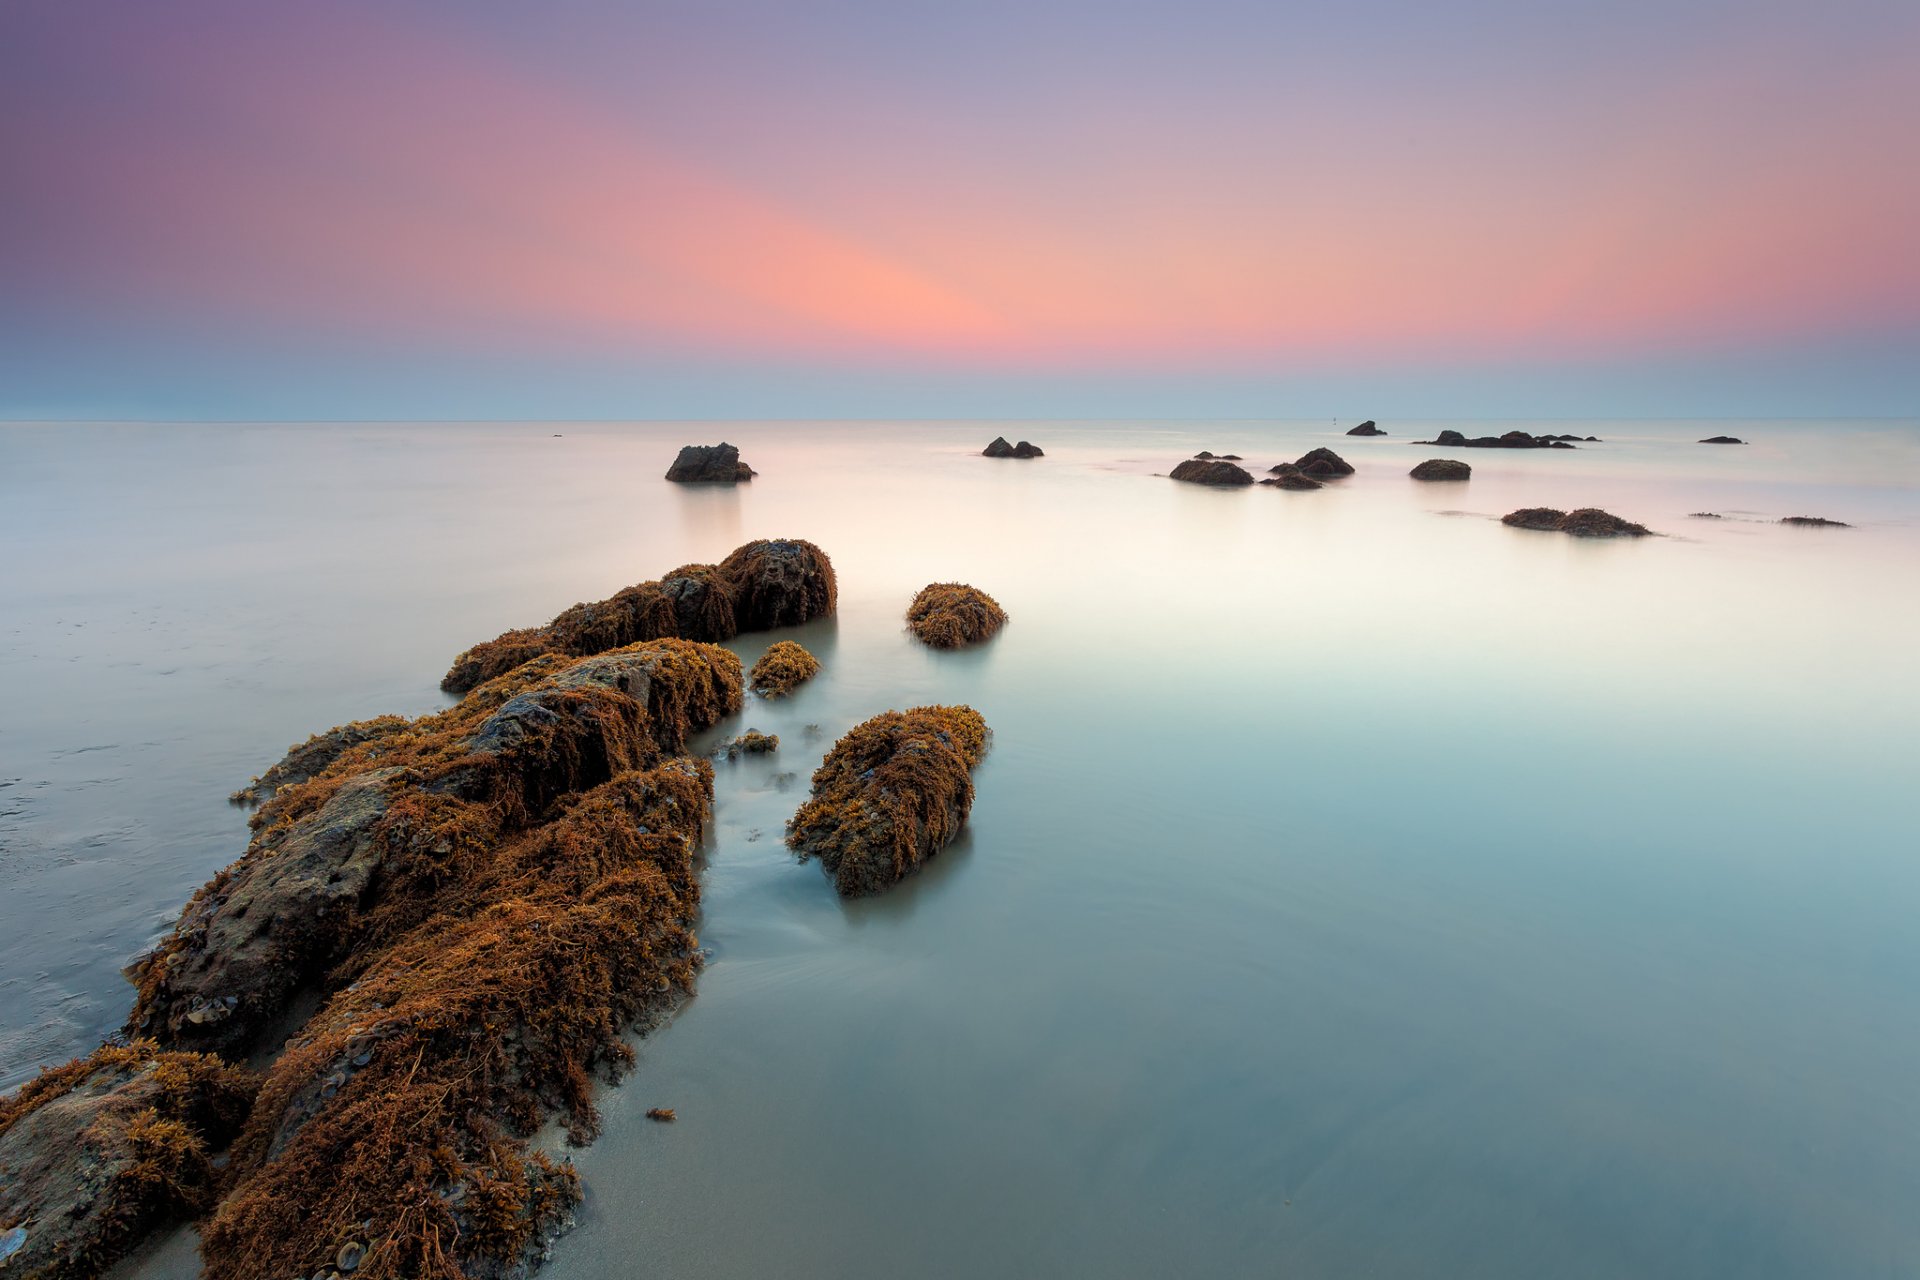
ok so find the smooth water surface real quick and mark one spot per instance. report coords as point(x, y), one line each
point(1355, 886)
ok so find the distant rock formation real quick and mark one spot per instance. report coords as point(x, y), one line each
point(1207, 469)
point(1442, 469)
point(892, 793)
point(709, 464)
point(1001, 449)
point(1722, 440)
point(1587, 522)
point(1511, 440)
point(1366, 428)
point(1816, 522)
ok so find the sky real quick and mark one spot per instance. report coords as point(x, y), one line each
point(708, 209)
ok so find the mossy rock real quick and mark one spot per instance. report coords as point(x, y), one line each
point(948, 615)
point(784, 667)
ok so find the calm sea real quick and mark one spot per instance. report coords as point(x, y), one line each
point(1355, 886)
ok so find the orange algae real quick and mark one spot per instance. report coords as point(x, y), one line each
point(892, 793)
point(102, 1150)
point(764, 584)
point(948, 615)
point(781, 669)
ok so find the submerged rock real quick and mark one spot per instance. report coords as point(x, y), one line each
point(948, 615)
point(1206, 469)
point(1587, 522)
point(1288, 476)
point(1001, 449)
point(764, 584)
point(1323, 464)
point(781, 669)
point(891, 794)
point(360, 853)
point(96, 1154)
point(1442, 469)
point(1816, 522)
point(1366, 428)
point(751, 743)
point(709, 464)
point(1722, 440)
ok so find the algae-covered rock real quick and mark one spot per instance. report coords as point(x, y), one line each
point(308, 758)
point(1442, 469)
point(99, 1152)
point(782, 668)
point(892, 793)
point(709, 464)
point(751, 743)
point(1587, 522)
point(948, 615)
point(1287, 475)
point(779, 582)
point(1208, 469)
point(771, 583)
point(398, 1122)
point(362, 852)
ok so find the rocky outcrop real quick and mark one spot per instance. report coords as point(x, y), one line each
point(305, 760)
point(1323, 464)
point(751, 743)
point(1367, 428)
point(1442, 469)
point(890, 795)
point(1288, 476)
point(784, 667)
point(1207, 469)
point(1816, 522)
point(1001, 449)
point(948, 615)
point(357, 854)
point(1511, 440)
point(96, 1154)
point(709, 464)
point(765, 584)
point(1722, 440)
point(1587, 522)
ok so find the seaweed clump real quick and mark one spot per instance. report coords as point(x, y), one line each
point(752, 743)
point(948, 615)
point(304, 760)
point(765, 584)
point(97, 1153)
point(369, 849)
point(892, 793)
point(1587, 522)
point(782, 668)
point(396, 1126)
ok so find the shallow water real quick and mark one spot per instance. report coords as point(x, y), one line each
point(1355, 885)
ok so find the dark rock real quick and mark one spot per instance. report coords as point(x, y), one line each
point(1203, 455)
point(1510, 440)
point(709, 464)
point(1705, 515)
point(1816, 522)
point(780, 582)
point(1294, 479)
point(1322, 463)
point(1587, 522)
point(1722, 440)
point(892, 793)
point(1442, 469)
point(1232, 457)
point(1211, 470)
point(1026, 449)
point(96, 1154)
point(1366, 428)
point(998, 449)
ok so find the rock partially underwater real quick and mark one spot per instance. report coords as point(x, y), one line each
point(1587, 522)
point(1815, 522)
point(709, 464)
point(784, 667)
point(1442, 469)
point(1722, 440)
point(770, 583)
point(890, 795)
point(98, 1153)
point(1208, 469)
point(948, 615)
point(1287, 475)
point(1367, 428)
point(1323, 464)
point(1510, 440)
point(304, 760)
point(999, 448)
